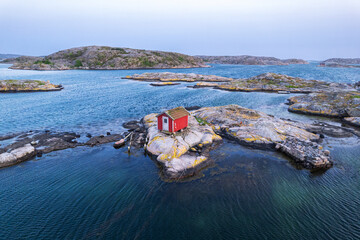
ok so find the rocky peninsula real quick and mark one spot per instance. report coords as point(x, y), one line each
point(11, 86)
point(250, 60)
point(106, 58)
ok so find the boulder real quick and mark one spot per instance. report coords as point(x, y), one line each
point(17, 155)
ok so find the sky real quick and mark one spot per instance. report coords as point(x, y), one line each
point(308, 29)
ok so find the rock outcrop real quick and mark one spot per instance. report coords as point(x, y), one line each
point(177, 77)
point(272, 82)
point(17, 155)
point(27, 86)
point(101, 57)
point(256, 129)
point(250, 60)
point(329, 104)
point(25, 146)
point(354, 121)
point(179, 153)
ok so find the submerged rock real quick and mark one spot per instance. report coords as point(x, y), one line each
point(103, 139)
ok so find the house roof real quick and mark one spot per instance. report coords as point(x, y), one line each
point(176, 113)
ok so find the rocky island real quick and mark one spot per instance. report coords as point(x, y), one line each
point(267, 82)
point(341, 62)
point(11, 86)
point(250, 60)
point(6, 56)
point(345, 105)
point(272, 82)
point(180, 154)
point(106, 58)
point(177, 77)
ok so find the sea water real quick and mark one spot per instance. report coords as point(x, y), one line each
point(100, 192)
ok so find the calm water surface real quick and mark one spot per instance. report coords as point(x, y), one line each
point(100, 192)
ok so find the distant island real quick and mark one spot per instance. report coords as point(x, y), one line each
point(341, 62)
point(6, 56)
point(106, 58)
point(11, 86)
point(250, 60)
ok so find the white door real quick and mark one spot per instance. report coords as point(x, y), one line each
point(165, 123)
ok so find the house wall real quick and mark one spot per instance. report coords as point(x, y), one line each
point(160, 121)
point(180, 123)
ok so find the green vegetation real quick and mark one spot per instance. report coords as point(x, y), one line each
point(292, 86)
point(201, 121)
point(355, 96)
point(120, 50)
point(78, 63)
point(146, 62)
point(44, 61)
point(73, 55)
point(156, 54)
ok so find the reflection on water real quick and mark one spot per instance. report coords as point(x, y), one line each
point(100, 192)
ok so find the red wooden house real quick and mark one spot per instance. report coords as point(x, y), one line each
point(173, 120)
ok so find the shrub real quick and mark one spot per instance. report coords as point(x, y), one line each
point(45, 61)
point(292, 86)
point(78, 63)
point(120, 50)
point(146, 62)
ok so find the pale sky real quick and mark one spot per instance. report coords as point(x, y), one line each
point(308, 29)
